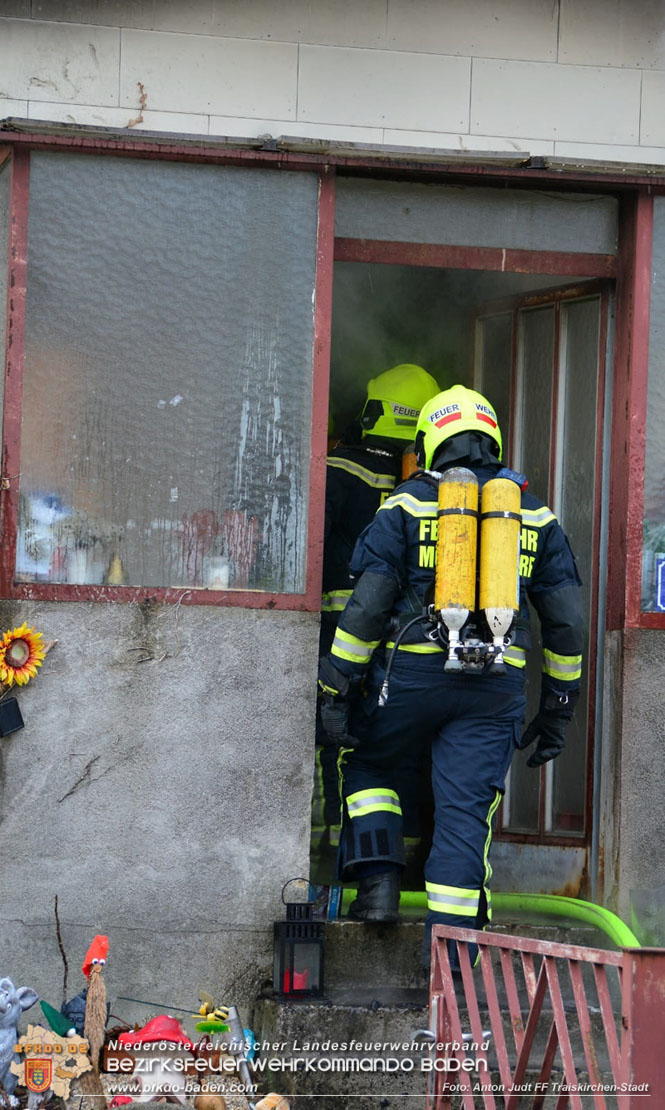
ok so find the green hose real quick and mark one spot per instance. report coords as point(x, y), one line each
point(554, 905)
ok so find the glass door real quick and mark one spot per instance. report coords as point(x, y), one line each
point(541, 362)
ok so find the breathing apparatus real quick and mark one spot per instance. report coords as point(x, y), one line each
point(476, 599)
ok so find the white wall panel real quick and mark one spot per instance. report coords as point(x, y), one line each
point(383, 88)
point(652, 128)
point(192, 16)
point(514, 29)
point(18, 8)
point(613, 33)
point(329, 22)
point(58, 61)
point(192, 73)
point(578, 103)
point(18, 108)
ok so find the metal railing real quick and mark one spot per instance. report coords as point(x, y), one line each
point(540, 1024)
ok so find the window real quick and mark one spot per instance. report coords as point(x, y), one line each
point(167, 384)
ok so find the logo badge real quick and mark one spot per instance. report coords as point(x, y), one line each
point(38, 1075)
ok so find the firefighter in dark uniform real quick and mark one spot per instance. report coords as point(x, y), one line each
point(471, 722)
point(358, 479)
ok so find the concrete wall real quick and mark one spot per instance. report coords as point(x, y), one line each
point(642, 787)
point(576, 78)
point(161, 788)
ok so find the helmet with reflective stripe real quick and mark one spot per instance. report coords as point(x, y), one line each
point(394, 400)
point(455, 410)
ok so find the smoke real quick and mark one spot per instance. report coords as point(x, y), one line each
point(384, 315)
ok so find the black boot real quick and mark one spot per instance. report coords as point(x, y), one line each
point(377, 898)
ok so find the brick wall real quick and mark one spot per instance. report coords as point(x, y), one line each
point(576, 78)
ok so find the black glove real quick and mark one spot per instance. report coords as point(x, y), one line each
point(335, 720)
point(549, 726)
point(338, 691)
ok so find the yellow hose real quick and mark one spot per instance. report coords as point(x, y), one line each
point(553, 905)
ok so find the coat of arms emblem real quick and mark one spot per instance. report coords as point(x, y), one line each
point(38, 1074)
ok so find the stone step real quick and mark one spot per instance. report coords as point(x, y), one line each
point(364, 1050)
point(390, 955)
point(377, 999)
point(334, 1048)
point(364, 956)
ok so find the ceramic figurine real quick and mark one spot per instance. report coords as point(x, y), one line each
point(13, 1002)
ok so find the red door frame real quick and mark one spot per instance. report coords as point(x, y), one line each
point(631, 366)
point(632, 270)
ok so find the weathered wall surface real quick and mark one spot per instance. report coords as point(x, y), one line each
point(640, 810)
point(607, 763)
point(576, 78)
point(161, 788)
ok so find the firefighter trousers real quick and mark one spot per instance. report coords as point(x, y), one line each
point(471, 724)
point(326, 795)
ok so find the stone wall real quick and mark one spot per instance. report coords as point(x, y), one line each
point(161, 788)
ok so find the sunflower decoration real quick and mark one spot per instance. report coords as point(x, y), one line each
point(22, 650)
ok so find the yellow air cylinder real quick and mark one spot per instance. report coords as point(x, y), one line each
point(500, 523)
point(456, 549)
point(409, 463)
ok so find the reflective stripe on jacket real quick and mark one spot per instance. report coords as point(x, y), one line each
point(394, 562)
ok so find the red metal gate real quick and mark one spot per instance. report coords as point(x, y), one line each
point(596, 1016)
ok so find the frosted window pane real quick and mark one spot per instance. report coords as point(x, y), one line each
point(653, 554)
point(462, 215)
point(536, 361)
point(5, 174)
point(534, 411)
point(580, 335)
point(167, 392)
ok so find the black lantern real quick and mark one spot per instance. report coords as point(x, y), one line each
point(298, 949)
point(11, 719)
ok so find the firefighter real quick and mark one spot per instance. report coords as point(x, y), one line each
point(358, 479)
point(471, 722)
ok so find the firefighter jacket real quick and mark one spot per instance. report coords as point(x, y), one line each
point(393, 564)
point(358, 480)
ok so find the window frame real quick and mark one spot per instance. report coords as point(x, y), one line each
point(310, 598)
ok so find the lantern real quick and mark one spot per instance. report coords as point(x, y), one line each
point(11, 719)
point(298, 949)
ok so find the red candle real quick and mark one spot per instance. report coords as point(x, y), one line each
point(299, 981)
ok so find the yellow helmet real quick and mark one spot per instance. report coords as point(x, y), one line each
point(455, 410)
point(394, 400)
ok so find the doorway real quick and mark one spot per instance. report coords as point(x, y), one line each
point(536, 348)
